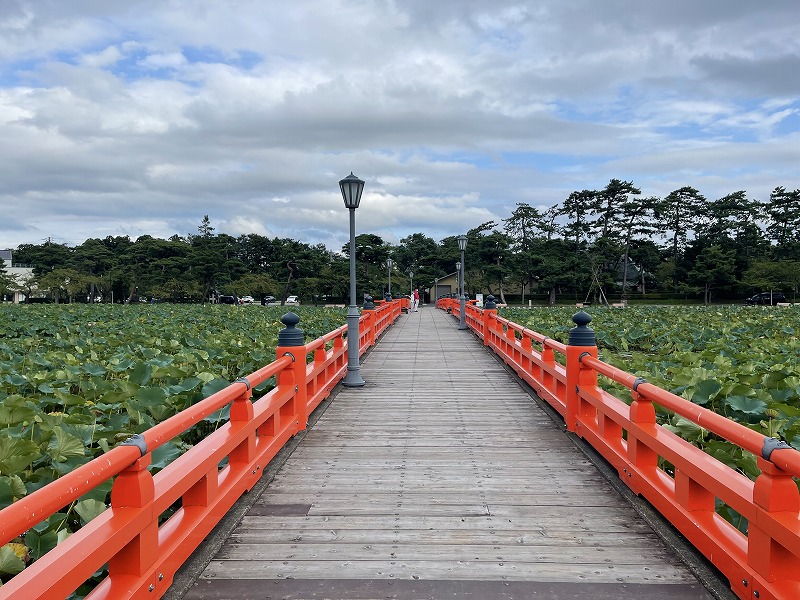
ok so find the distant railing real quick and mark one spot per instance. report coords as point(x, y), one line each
point(143, 555)
point(764, 563)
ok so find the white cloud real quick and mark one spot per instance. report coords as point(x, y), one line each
point(107, 57)
point(172, 60)
point(119, 117)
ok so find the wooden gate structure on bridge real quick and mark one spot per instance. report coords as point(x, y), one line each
point(497, 507)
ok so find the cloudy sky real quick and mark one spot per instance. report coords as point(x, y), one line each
point(132, 118)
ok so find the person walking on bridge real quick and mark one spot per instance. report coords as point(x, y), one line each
point(415, 301)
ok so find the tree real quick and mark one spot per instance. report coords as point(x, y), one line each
point(678, 212)
point(774, 275)
point(5, 280)
point(522, 228)
point(488, 264)
point(714, 267)
point(371, 254)
point(577, 208)
point(637, 216)
point(213, 262)
point(731, 222)
point(612, 199)
point(648, 256)
point(556, 268)
point(783, 225)
point(67, 282)
point(43, 257)
point(421, 254)
point(205, 229)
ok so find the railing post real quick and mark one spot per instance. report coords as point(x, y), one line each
point(581, 342)
point(134, 488)
point(642, 457)
point(291, 342)
point(489, 318)
point(395, 310)
point(774, 492)
point(369, 320)
point(242, 412)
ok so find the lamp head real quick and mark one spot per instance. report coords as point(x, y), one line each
point(351, 187)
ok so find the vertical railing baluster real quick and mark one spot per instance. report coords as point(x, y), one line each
point(291, 342)
point(581, 342)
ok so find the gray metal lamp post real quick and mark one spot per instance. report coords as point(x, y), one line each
point(462, 319)
point(411, 275)
point(390, 263)
point(352, 187)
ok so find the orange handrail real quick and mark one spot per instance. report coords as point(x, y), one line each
point(143, 554)
point(764, 563)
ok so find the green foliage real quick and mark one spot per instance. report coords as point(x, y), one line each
point(75, 380)
point(738, 361)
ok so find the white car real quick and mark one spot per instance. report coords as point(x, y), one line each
point(247, 300)
point(292, 301)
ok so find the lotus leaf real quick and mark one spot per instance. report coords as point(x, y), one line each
point(89, 509)
point(40, 544)
point(16, 454)
point(64, 445)
point(750, 406)
point(10, 563)
point(140, 374)
point(704, 391)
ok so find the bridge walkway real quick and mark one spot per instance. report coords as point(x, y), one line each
point(440, 478)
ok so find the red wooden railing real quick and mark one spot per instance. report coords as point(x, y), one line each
point(142, 555)
point(764, 563)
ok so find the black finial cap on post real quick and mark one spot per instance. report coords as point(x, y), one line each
point(582, 334)
point(387, 296)
point(291, 335)
point(490, 303)
point(368, 303)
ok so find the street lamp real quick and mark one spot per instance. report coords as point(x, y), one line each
point(389, 263)
point(352, 187)
point(462, 319)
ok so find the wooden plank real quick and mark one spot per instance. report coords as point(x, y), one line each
point(441, 468)
point(506, 570)
point(575, 555)
point(414, 589)
point(599, 521)
point(539, 537)
point(435, 497)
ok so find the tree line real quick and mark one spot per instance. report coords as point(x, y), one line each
point(597, 245)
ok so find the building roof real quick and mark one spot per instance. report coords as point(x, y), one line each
point(5, 255)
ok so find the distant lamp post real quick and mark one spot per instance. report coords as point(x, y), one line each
point(462, 319)
point(389, 265)
point(411, 275)
point(352, 187)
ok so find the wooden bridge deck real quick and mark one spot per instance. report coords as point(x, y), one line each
point(441, 478)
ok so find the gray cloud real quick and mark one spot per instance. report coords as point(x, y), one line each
point(121, 118)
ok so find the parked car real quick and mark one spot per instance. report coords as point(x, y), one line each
point(228, 300)
point(292, 301)
point(247, 300)
point(269, 301)
point(768, 298)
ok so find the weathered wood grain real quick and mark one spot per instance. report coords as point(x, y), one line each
point(441, 468)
